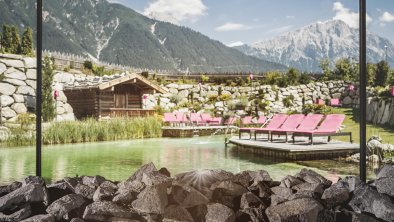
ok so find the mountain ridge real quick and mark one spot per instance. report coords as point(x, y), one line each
point(116, 34)
point(305, 47)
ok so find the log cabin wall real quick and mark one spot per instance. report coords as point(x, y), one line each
point(83, 102)
point(106, 102)
point(128, 96)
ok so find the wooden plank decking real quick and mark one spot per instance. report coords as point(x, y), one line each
point(299, 151)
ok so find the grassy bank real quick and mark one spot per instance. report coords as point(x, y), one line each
point(89, 130)
point(352, 125)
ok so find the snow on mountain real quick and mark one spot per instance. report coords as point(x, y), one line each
point(307, 46)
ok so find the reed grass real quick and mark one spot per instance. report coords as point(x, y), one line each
point(91, 130)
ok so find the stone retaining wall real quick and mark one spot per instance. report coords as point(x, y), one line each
point(379, 110)
point(18, 88)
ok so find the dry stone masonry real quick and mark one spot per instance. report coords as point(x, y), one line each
point(18, 88)
point(203, 195)
point(380, 110)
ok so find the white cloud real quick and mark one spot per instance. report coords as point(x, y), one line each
point(229, 26)
point(348, 16)
point(238, 43)
point(281, 29)
point(387, 17)
point(176, 11)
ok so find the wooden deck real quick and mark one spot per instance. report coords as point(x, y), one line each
point(302, 150)
point(190, 131)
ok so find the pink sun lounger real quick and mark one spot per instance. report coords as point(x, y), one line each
point(291, 123)
point(330, 126)
point(276, 121)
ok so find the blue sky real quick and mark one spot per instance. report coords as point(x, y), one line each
point(249, 21)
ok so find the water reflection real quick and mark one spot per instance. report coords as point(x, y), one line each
point(117, 160)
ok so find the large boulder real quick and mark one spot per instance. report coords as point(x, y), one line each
point(6, 100)
point(18, 98)
point(13, 63)
point(40, 218)
point(176, 213)
point(15, 82)
point(3, 68)
point(187, 196)
point(19, 108)
point(31, 193)
point(108, 211)
point(155, 178)
point(203, 178)
point(8, 113)
point(26, 90)
point(151, 200)
point(30, 63)
point(15, 74)
point(7, 89)
point(303, 209)
point(311, 176)
point(85, 191)
point(219, 212)
point(93, 181)
point(366, 199)
point(336, 195)
point(67, 207)
point(18, 215)
point(31, 74)
point(385, 180)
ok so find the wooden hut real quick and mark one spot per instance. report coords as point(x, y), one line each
point(118, 96)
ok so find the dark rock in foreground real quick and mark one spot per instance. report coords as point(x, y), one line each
point(204, 195)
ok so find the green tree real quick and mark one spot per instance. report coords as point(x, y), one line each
point(48, 104)
point(293, 76)
point(6, 40)
point(382, 70)
point(305, 78)
point(272, 78)
point(346, 70)
point(27, 42)
point(1, 46)
point(371, 74)
point(390, 79)
point(325, 66)
point(16, 40)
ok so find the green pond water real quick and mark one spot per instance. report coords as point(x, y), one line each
point(118, 160)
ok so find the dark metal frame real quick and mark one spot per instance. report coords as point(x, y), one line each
point(362, 88)
point(329, 135)
point(39, 90)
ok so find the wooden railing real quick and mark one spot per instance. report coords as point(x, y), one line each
point(125, 112)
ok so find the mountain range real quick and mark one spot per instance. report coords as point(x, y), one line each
point(306, 47)
point(114, 33)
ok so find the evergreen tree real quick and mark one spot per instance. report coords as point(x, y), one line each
point(382, 71)
point(16, 40)
point(1, 46)
point(371, 74)
point(27, 42)
point(48, 104)
point(325, 66)
point(293, 76)
point(346, 70)
point(6, 40)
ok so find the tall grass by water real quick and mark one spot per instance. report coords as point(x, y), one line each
point(91, 130)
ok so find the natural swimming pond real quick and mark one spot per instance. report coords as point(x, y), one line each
point(118, 160)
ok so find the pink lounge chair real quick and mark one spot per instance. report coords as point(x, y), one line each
point(247, 120)
point(329, 127)
point(261, 120)
point(230, 121)
point(170, 118)
point(208, 119)
point(291, 123)
point(276, 121)
point(181, 117)
point(335, 102)
point(195, 118)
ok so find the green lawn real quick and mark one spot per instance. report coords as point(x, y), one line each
point(386, 133)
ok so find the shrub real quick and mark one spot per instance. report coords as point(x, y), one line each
point(88, 65)
point(204, 78)
point(25, 120)
point(48, 103)
point(316, 108)
point(27, 42)
point(288, 101)
point(175, 99)
point(224, 97)
point(212, 98)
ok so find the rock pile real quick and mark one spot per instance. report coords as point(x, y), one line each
point(202, 195)
point(18, 88)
